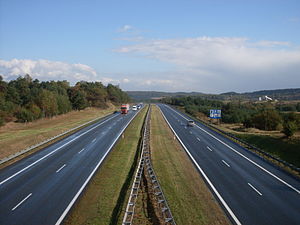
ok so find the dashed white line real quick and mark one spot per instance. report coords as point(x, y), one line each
point(21, 202)
point(22, 170)
point(225, 163)
point(57, 171)
point(81, 150)
point(255, 189)
point(58, 222)
point(198, 139)
point(209, 148)
point(204, 175)
point(94, 140)
point(237, 152)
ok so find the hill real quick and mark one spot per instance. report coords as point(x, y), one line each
point(279, 94)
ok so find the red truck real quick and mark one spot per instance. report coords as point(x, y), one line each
point(124, 108)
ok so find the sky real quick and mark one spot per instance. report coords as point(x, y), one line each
point(211, 46)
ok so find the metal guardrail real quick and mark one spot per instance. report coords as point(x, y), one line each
point(46, 141)
point(145, 168)
point(254, 150)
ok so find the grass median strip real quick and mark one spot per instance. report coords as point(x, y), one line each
point(105, 196)
point(188, 196)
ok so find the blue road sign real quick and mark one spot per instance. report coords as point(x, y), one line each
point(215, 113)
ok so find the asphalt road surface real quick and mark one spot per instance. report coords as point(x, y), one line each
point(251, 190)
point(41, 188)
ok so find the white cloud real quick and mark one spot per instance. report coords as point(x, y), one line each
point(125, 28)
point(223, 63)
point(47, 70)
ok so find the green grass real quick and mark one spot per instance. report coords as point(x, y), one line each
point(190, 200)
point(287, 150)
point(105, 196)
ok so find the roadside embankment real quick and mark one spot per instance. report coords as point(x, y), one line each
point(15, 137)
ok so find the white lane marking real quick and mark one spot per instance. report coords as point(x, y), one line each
point(90, 176)
point(255, 189)
point(245, 157)
point(209, 148)
point(204, 175)
point(225, 163)
point(191, 132)
point(21, 202)
point(57, 171)
point(94, 140)
point(198, 139)
point(81, 150)
point(55, 150)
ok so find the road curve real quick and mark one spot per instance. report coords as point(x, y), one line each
point(251, 190)
point(41, 188)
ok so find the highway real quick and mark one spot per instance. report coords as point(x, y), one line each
point(41, 188)
point(250, 190)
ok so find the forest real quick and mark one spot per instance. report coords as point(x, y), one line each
point(25, 99)
point(264, 116)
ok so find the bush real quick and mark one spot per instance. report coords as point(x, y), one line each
point(1, 121)
point(289, 128)
point(24, 115)
point(267, 119)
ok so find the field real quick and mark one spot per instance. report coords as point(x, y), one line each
point(17, 136)
point(190, 200)
point(105, 196)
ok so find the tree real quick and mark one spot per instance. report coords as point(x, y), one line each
point(267, 119)
point(289, 128)
point(77, 98)
point(47, 103)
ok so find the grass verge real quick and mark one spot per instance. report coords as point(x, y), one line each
point(17, 136)
point(188, 196)
point(105, 196)
point(287, 150)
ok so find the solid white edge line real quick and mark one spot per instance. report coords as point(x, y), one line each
point(255, 189)
point(60, 168)
point(94, 140)
point(90, 176)
point(204, 175)
point(225, 163)
point(209, 148)
point(81, 150)
point(55, 150)
point(245, 157)
point(21, 202)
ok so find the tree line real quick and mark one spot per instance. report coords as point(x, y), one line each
point(264, 116)
point(25, 99)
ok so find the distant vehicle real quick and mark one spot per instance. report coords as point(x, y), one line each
point(124, 108)
point(134, 108)
point(116, 112)
point(190, 123)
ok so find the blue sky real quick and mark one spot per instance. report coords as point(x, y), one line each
point(208, 46)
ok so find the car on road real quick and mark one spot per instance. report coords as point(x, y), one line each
point(134, 108)
point(190, 123)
